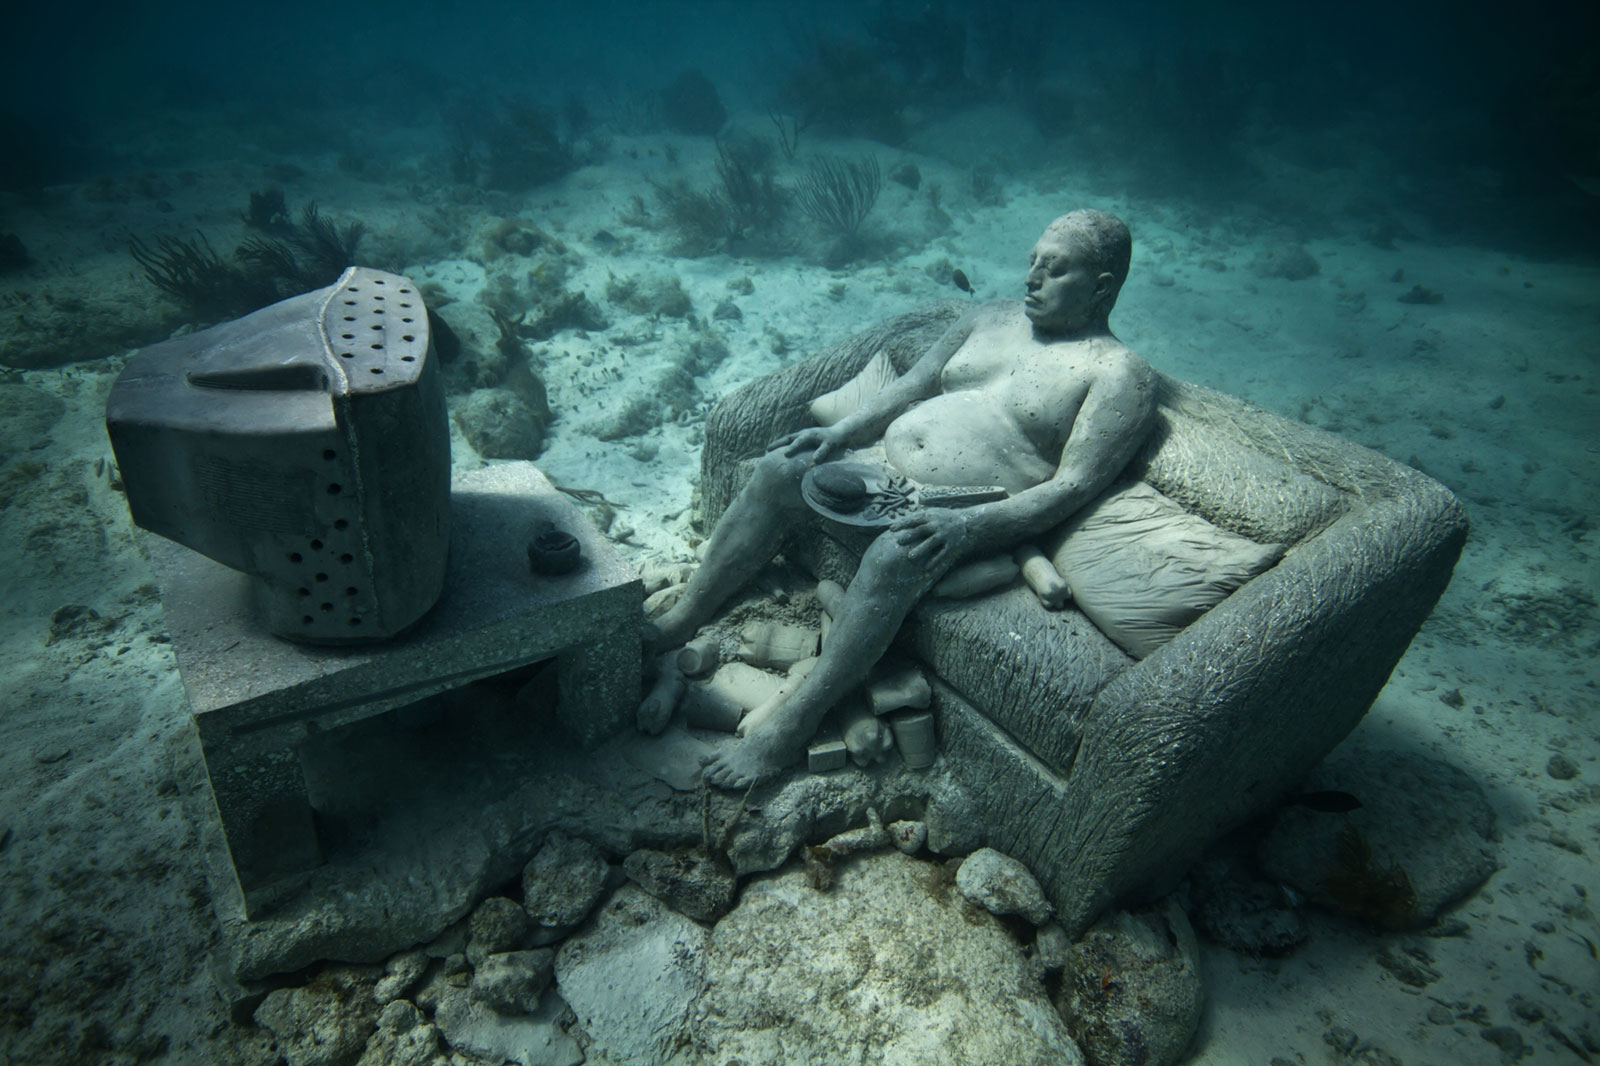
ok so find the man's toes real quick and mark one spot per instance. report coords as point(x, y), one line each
point(719, 773)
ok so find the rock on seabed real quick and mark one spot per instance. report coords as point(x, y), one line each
point(630, 976)
point(890, 967)
point(1002, 885)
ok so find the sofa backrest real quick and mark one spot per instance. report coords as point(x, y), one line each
point(1236, 465)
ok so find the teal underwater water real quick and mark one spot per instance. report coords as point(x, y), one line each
point(1379, 219)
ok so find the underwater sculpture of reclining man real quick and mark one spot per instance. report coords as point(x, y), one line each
point(1038, 398)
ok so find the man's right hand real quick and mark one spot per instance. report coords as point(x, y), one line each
point(820, 441)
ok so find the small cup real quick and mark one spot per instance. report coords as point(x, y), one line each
point(698, 657)
point(914, 736)
point(553, 552)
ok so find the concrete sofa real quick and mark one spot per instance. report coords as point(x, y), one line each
point(1106, 775)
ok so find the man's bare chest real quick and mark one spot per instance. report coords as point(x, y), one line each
point(1041, 387)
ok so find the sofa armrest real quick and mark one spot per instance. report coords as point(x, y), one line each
point(1215, 727)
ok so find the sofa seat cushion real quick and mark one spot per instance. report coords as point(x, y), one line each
point(1034, 673)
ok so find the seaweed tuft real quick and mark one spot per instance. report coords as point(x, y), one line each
point(840, 193)
point(268, 212)
point(325, 247)
point(1381, 896)
point(743, 212)
point(696, 217)
point(755, 202)
point(262, 270)
point(209, 287)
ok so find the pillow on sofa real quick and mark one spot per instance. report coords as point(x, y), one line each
point(830, 407)
point(1142, 568)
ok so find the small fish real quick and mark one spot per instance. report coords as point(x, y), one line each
point(1329, 802)
point(960, 278)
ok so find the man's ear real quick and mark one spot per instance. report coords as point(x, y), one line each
point(1104, 285)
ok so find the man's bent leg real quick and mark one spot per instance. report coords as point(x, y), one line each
point(886, 586)
point(744, 540)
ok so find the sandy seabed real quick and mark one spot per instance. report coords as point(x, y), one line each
point(106, 924)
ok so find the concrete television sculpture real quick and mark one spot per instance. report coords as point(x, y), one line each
point(306, 445)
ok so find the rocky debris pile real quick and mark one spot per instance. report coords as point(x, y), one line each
point(871, 940)
point(900, 933)
point(640, 918)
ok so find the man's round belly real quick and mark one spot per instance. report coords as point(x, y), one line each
point(964, 438)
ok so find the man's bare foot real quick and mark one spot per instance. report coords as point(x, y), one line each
point(758, 757)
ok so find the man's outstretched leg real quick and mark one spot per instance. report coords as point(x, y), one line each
point(886, 586)
point(744, 540)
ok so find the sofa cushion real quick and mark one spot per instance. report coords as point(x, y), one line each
point(833, 406)
point(1142, 568)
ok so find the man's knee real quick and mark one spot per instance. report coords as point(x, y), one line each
point(777, 475)
point(888, 570)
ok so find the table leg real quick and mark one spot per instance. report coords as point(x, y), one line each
point(599, 685)
point(266, 818)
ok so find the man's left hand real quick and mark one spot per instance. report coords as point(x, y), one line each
point(936, 537)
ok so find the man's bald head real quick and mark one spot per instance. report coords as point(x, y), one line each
point(1102, 238)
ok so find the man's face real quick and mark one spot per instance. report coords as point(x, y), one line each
point(1063, 292)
